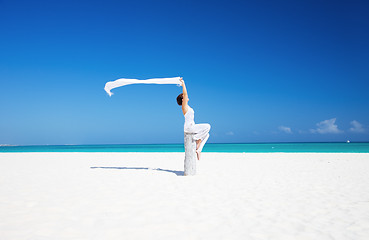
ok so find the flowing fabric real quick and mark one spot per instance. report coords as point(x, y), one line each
point(126, 81)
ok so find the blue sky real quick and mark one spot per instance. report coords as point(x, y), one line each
point(257, 71)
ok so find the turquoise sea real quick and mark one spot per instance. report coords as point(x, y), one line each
point(357, 147)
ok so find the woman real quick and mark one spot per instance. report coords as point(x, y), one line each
point(201, 130)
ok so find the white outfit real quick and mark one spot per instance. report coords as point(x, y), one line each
point(126, 81)
point(201, 130)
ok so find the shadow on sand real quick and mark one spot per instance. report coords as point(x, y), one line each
point(178, 173)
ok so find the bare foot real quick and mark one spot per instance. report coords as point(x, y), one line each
point(198, 155)
point(198, 143)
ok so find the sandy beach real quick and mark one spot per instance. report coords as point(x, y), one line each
point(145, 196)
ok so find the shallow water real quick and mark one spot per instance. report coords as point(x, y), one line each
point(360, 147)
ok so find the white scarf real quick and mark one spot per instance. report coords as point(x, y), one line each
point(126, 81)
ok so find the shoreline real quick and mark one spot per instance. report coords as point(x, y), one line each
point(241, 153)
point(209, 148)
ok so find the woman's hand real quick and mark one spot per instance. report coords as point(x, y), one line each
point(182, 82)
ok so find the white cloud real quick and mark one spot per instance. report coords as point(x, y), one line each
point(285, 129)
point(230, 133)
point(356, 127)
point(326, 126)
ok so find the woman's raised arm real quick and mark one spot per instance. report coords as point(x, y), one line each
point(185, 97)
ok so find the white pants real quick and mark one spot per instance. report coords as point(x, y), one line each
point(201, 132)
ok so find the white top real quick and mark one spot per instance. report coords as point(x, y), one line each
point(189, 119)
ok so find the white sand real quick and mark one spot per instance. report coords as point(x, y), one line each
point(145, 196)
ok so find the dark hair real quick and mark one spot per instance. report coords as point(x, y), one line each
point(179, 99)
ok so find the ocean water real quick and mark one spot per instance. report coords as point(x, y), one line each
point(360, 147)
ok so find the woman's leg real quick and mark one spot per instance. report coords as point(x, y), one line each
point(203, 143)
point(200, 130)
point(202, 134)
